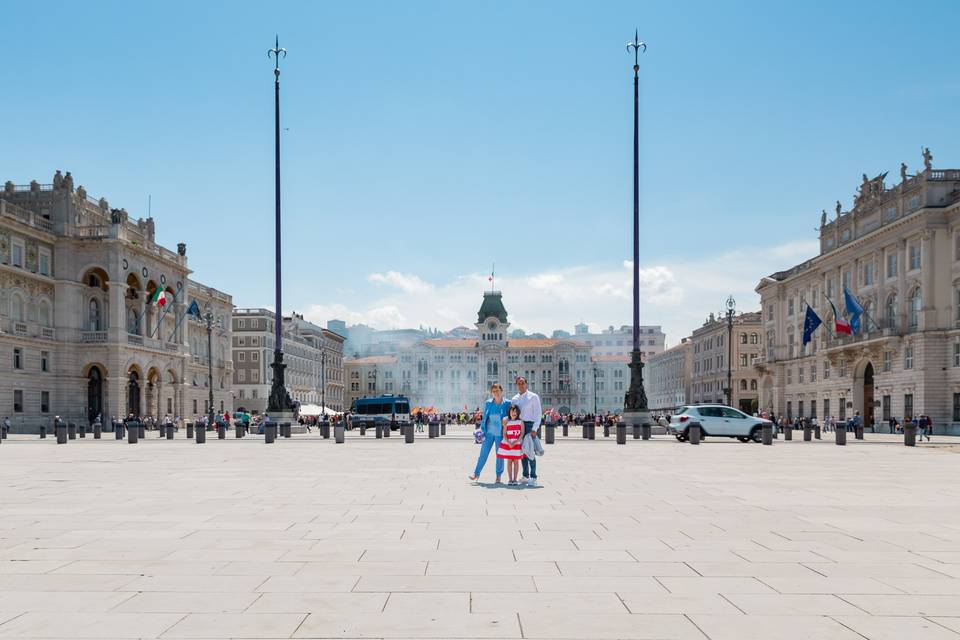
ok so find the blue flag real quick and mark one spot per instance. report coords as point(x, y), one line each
point(194, 310)
point(810, 324)
point(854, 310)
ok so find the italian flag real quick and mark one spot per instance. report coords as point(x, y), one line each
point(161, 298)
point(840, 325)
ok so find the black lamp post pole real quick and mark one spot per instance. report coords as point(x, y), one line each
point(323, 383)
point(209, 319)
point(594, 391)
point(731, 306)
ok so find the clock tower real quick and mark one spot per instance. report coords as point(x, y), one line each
point(492, 323)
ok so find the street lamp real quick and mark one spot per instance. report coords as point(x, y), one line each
point(323, 383)
point(731, 310)
point(208, 318)
point(594, 391)
point(635, 400)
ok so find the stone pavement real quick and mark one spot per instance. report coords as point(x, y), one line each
point(379, 539)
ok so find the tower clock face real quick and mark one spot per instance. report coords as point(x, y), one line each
point(492, 325)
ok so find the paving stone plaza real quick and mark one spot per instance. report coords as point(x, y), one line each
point(382, 539)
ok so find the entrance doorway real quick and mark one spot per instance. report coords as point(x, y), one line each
point(868, 396)
point(94, 393)
point(133, 394)
point(746, 405)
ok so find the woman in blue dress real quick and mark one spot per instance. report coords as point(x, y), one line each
point(494, 412)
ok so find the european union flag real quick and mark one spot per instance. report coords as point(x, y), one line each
point(810, 324)
point(194, 310)
point(854, 310)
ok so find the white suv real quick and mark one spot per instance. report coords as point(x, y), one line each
point(717, 420)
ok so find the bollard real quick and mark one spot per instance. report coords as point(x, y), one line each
point(378, 430)
point(910, 435)
point(97, 430)
point(606, 430)
point(169, 432)
point(636, 432)
point(807, 434)
point(433, 430)
point(142, 431)
point(585, 431)
point(621, 432)
point(72, 430)
point(816, 432)
point(788, 433)
point(133, 433)
point(566, 430)
point(201, 433)
point(858, 432)
point(386, 430)
point(288, 429)
point(646, 430)
point(841, 436)
point(118, 431)
point(363, 429)
point(270, 432)
point(221, 431)
point(325, 430)
point(551, 433)
point(238, 430)
point(189, 431)
point(61, 430)
point(443, 429)
point(339, 433)
point(83, 430)
point(43, 432)
point(766, 434)
point(408, 432)
point(592, 432)
point(693, 433)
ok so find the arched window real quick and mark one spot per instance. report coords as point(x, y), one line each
point(94, 322)
point(890, 311)
point(790, 342)
point(754, 338)
point(743, 383)
point(16, 308)
point(43, 313)
point(916, 303)
point(743, 338)
point(753, 385)
point(133, 321)
point(492, 368)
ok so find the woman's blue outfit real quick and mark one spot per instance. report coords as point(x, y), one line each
point(492, 428)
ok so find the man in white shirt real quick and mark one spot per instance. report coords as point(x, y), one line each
point(530, 414)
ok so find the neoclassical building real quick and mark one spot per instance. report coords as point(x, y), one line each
point(78, 333)
point(456, 373)
point(898, 252)
point(711, 352)
point(668, 377)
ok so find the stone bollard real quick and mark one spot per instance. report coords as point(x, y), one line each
point(43, 432)
point(201, 433)
point(61, 430)
point(585, 431)
point(551, 434)
point(270, 433)
point(118, 430)
point(339, 433)
point(83, 430)
point(238, 430)
point(693, 433)
point(386, 430)
point(169, 429)
point(816, 432)
point(142, 431)
point(858, 432)
point(592, 432)
point(221, 431)
point(378, 430)
point(788, 433)
point(646, 430)
point(408, 432)
point(325, 430)
point(443, 429)
point(97, 430)
point(133, 432)
point(807, 434)
point(363, 429)
point(841, 436)
point(189, 431)
point(433, 430)
point(287, 430)
point(766, 434)
point(910, 435)
point(72, 430)
point(636, 432)
point(566, 430)
point(621, 432)
point(606, 430)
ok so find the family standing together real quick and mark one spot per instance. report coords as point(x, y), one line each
point(511, 428)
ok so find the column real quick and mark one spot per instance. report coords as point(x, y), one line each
point(902, 301)
point(927, 262)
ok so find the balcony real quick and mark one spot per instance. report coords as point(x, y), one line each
point(24, 216)
point(93, 337)
point(20, 328)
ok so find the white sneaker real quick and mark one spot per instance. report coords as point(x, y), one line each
point(524, 480)
point(532, 483)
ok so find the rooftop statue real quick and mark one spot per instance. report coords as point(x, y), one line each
point(903, 171)
point(839, 208)
point(927, 158)
point(823, 218)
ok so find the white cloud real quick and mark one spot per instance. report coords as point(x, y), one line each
point(677, 292)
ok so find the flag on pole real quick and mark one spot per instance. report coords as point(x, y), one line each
point(840, 324)
point(161, 298)
point(810, 324)
point(194, 310)
point(854, 310)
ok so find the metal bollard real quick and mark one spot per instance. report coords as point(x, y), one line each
point(606, 430)
point(287, 429)
point(133, 433)
point(169, 429)
point(72, 430)
point(592, 432)
point(408, 432)
point(83, 430)
point(61, 430)
point(816, 432)
point(363, 429)
point(551, 433)
point(788, 433)
point(621, 432)
point(693, 433)
point(43, 431)
point(201, 433)
point(270, 433)
point(858, 432)
point(807, 434)
point(636, 432)
point(221, 431)
point(118, 430)
point(646, 430)
point(910, 436)
point(338, 434)
point(841, 436)
point(189, 431)
point(378, 429)
point(766, 434)
point(585, 431)
point(386, 430)
point(238, 430)
point(142, 431)
point(325, 430)
point(443, 429)
point(566, 430)
point(97, 430)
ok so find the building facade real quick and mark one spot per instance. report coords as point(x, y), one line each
point(619, 342)
point(79, 332)
point(712, 347)
point(313, 356)
point(611, 377)
point(668, 376)
point(455, 374)
point(898, 252)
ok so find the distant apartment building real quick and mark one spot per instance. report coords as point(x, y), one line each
point(711, 352)
point(619, 342)
point(667, 377)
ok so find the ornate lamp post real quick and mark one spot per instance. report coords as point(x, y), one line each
point(208, 318)
point(279, 401)
point(731, 310)
point(323, 383)
point(635, 401)
point(594, 391)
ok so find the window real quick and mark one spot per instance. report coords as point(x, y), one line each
point(830, 288)
point(813, 408)
point(892, 264)
point(789, 376)
point(789, 410)
point(914, 256)
point(826, 406)
point(845, 278)
point(885, 403)
point(790, 307)
point(813, 373)
point(753, 385)
point(743, 359)
point(241, 375)
point(16, 308)
point(743, 385)
point(843, 409)
point(17, 255)
point(890, 312)
point(800, 374)
point(18, 401)
point(44, 402)
point(254, 377)
point(17, 358)
point(868, 273)
point(956, 407)
point(956, 354)
point(44, 262)
point(956, 304)
point(908, 357)
point(254, 356)
point(743, 338)
point(826, 369)
point(769, 312)
point(790, 343)
point(754, 338)
point(44, 361)
point(887, 360)
point(843, 368)
point(800, 408)
point(241, 356)
point(916, 304)
point(908, 405)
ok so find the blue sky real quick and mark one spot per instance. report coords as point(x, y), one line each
point(429, 140)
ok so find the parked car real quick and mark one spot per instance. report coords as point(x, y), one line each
point(717, 420)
